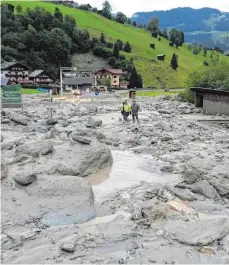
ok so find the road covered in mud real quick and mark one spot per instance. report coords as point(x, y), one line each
point(82, 186)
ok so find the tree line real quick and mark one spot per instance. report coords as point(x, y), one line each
point(47, 41)
point(40, 39)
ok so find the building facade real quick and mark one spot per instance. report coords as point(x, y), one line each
point(39, 77)
point(81, 83)
point(111, 74)
point(15, 72)
point(211, 100)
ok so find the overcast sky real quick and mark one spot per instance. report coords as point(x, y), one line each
point(129, 7)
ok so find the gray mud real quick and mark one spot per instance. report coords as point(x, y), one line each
point(84, 187)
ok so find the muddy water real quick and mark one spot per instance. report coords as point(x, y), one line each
point(127, 170)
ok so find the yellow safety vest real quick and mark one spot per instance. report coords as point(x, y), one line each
point(126, 107)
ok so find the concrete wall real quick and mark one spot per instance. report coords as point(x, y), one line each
point(214, 107)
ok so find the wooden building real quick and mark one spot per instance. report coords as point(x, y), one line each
point(15, 72)
point(161, 57)
point(211, 100)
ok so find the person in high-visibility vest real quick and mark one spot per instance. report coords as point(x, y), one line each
point(126, 110)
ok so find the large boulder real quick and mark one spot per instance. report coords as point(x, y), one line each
point(204, 188)
point(199, 233)
point(191, 173)
point(34, 149)
point(184, 194)
point(20, 119)
point(56, 200)
point(93, 123)
point(51, 121)
point(25, 179)
point(80, 139)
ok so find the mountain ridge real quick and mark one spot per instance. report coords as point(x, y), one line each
point(190, 20)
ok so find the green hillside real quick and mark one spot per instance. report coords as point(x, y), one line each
point(154, 72)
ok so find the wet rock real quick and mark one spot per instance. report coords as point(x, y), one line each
point(184, 194)
point(80, 139)
point(65, 208)
point(33, 148)
point(25, 180)
point(220, 183)
point(166, 168)
point(7, 146)
point(19, 118)
point(18, 159)
point(68, 246)
point(100, 136)
point(47, 149)
point(40, 127)
point(51, 122)
point(4, 171)
point(155, 212)
point(85, 132)
point(108, 142)
point(191, 173)
point(93, 123)
point(67, 170)
point(166, 138)
point(204, 188)
point(28, 235)
point(136, 212)
point(143, 222)
point(201, 232)
point(78, 255)
point(5, 121)
point(95, 161)
point(118, 230)
point(51, 134)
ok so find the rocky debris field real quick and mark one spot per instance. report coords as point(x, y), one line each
point(163, 194)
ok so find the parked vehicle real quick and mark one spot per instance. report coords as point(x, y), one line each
point(76, 92)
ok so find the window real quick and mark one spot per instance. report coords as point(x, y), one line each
point(115, 81)
point(115, 76)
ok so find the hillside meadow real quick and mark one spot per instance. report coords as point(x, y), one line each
point(154, 72)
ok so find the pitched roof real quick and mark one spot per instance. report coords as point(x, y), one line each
point(36, 73)
point(78, 81)
point(6, 65)
point(115, 71)
point(112, 71)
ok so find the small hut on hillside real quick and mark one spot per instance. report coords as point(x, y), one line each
point(161, 57)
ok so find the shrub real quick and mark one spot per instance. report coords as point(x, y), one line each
point(110, 45)
point(215, 77)
point(127, 47)
point(102, 51)
point(152, 45)
point(122, 57)
point(112, 61)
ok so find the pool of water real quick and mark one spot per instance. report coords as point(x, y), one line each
point(128, 169)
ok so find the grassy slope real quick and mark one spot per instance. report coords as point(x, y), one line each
point(139, 40)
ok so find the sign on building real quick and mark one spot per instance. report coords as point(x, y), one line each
point(11, 96)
